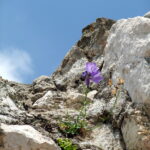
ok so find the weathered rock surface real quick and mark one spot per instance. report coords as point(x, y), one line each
point(136, 131)
point(90, 47)
point(51, 100)
point(104, 138)
point(128, 54)
point(16, 137)
point(118, 109)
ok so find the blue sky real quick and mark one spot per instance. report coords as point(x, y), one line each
point(35, 35)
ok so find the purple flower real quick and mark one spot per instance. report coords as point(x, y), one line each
point(92, 73)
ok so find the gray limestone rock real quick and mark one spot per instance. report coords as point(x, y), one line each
point(127, 53)
point(24, 137)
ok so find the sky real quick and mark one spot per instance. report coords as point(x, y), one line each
point(35, 35)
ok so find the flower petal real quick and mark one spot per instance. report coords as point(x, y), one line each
point(95, 73)
point(91, 67)
point(97, 78)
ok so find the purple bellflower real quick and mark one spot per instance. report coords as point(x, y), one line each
point(92, 73)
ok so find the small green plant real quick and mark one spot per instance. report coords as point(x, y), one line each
point(77, 124)
point(73, 125)
point(66, 144)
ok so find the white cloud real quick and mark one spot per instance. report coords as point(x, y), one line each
point(15, 64)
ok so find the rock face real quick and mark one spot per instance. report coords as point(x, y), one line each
point(118, 107)
point(128, 53)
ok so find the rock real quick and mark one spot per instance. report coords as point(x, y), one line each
point(71, 73)
point(147, 15)
point(9, 111)
point(12, 96)
point(76, 100)
point(94, 37)
point(109, 111)
point(51, 99)
point(89, 47)
point(91, 94)
point(96, 109)
point(43, 83)
point(127, 55)
point(24, 137)
point(136, 131)
point(104, 139)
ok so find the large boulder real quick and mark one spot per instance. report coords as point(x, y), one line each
point(127, 54)
point(24, 137)
point(127, 57)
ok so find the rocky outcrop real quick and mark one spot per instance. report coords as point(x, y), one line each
point(118, 107)
point(89, 48)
